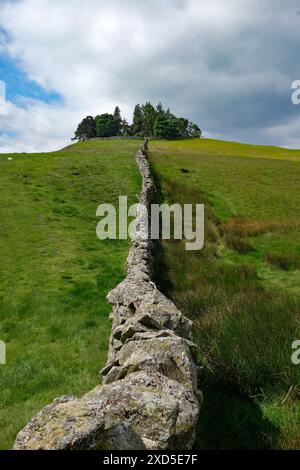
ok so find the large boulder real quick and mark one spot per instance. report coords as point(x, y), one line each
point(143, 411)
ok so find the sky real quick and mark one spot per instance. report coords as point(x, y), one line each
point(226, 64)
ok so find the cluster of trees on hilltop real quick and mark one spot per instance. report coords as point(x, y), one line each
point(148, 121)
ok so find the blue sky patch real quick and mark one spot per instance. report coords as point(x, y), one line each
point(18, 84)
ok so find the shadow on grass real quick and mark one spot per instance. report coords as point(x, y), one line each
point(230, 421)
point(227, 419)
point(162, 279)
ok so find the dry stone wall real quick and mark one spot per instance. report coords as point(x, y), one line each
point(149, 398)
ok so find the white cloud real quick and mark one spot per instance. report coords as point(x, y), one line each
point(36, 127)
point(228, 64)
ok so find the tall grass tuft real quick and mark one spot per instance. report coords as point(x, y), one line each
point(283, 261)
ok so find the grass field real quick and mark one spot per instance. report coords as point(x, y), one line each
point(55, 273)
point(243, 289)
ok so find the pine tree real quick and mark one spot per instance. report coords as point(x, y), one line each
point(159, 109)
point(161, 125)
point(118, 121)
point(149, 116)
point(138, 121)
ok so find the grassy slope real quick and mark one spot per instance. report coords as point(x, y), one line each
point(256, 183)
point(55, 273)
point(244, 324)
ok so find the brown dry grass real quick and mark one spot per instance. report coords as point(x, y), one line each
point(242, 227)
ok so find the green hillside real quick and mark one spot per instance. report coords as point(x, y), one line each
point(55, 273)
point(242, 290)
